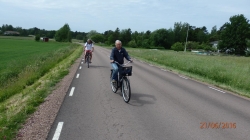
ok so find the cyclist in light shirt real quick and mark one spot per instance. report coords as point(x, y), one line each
point(88, 47)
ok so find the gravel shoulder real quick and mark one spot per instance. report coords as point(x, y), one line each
point(38, 125)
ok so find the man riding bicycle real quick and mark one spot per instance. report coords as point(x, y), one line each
point(118, 54)
point(88, 47)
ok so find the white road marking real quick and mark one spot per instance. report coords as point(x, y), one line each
point(80, 67)
point(58, 131)
point(82, 62)
point(77, 76)
point(183, 77)
point(217, 90)
point(82, 59)
point(72, 91)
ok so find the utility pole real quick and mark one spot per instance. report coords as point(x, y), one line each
point(186, 40)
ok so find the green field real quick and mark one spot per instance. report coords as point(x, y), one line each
point(23, 61)
point(23, 50)
point(229, 72)
point(29, 71)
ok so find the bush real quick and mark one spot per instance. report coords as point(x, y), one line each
point(37, 38)
point(192, 45)
point(206, 47)
point(177, 47)
point(132, 44)
point(145, 44)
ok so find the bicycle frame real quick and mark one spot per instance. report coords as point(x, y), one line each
point(88, 58)
point(120, 80)
point(123, 83)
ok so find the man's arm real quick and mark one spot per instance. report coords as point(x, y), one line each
point(112, 56)
point(127, 56)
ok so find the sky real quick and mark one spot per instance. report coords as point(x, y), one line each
point(103, 15)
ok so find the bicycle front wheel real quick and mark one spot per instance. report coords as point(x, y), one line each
point(126, 91)
point(88, 60)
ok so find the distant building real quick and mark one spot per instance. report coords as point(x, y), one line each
point(214, 44)
point(11, 33)
point(45, 39)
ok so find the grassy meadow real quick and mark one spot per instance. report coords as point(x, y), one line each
point(28, 72)
point(228, 72)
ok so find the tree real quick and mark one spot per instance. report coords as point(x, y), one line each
point(51, 34)
point(97, 38)
point(214, 34)
point(92, 33)
point(108, 37)
point(79, 37)
point(234, 35)
point(146, 43)
point(63, 34)
point(125, 36)
point(117, 34)
point(202, 34)
point(162, 38)
point(180, 31)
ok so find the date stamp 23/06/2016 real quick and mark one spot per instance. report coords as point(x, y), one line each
point(217, 125)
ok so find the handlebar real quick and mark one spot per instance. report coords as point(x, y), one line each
point(122, 64)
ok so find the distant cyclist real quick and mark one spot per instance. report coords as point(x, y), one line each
point(88, 47)
point(118, 54)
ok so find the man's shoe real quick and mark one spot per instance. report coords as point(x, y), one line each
point(113, 81)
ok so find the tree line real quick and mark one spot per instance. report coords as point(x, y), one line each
point(232, 37)
point(36, 31)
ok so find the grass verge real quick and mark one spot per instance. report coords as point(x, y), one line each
point(16, 109)
point(228, 72)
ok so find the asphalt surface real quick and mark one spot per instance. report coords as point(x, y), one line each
point(163, 106)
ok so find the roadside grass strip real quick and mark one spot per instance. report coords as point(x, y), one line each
point(16, 109)
point(226, 72)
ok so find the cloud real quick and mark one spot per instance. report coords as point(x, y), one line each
point(103, 15)
point(42, 4)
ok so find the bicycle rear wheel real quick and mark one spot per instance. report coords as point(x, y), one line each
point(114, 86)
point(126, 91)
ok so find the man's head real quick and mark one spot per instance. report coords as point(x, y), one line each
point(118, 44)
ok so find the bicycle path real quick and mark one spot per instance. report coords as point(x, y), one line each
point(163, 105)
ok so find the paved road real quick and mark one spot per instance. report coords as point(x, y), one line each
point(163, 106)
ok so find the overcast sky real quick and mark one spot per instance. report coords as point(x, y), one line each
point(103, 15)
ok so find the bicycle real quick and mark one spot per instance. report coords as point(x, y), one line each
point(123, 81)
point(88, 58)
